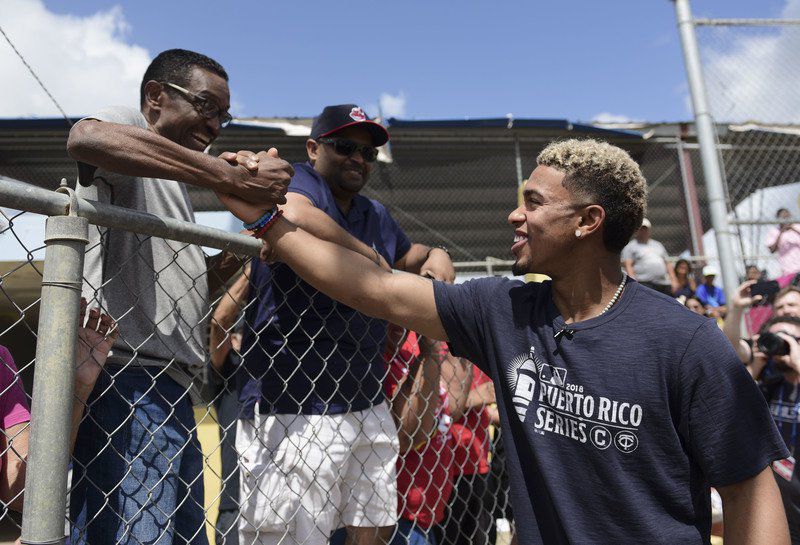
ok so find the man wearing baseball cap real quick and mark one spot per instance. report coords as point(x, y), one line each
point(316, 439)
point(710, 295)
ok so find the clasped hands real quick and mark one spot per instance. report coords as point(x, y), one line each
point(260, 182)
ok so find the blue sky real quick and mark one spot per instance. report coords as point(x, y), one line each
point(573, 59)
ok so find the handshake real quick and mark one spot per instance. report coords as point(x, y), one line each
point(258, 182)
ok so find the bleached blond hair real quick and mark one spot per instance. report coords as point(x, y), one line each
point(605, 175)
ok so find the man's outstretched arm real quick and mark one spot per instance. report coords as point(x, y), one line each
point(401, 298)
point(134, 151)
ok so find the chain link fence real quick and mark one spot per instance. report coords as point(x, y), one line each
point(750, 69)
point(175, 446)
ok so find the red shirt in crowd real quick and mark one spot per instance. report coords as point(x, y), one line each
point(471, 436)
point(424, 473)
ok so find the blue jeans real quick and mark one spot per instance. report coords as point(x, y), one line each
point(138, 468)
point(407, 533)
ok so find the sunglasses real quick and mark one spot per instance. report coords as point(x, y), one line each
point(205, 107)
point(343, 146)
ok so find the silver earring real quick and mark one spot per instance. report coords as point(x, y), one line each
point(578, 233)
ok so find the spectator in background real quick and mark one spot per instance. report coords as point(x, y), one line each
point(139, 441)
point(420, 406)
point(712, 297)
point(752, 272)
point(695, 305)
point(469, 513)
point(785, 304)
point(785, 241)
point(782, 392)
point(683, 280)
point(225, 343)
point(317, 366)
point(645, 259)
point(96, 334)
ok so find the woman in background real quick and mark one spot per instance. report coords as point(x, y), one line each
point(684, 283)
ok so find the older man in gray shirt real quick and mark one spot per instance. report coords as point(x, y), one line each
point(645, 259)
point(138, 465)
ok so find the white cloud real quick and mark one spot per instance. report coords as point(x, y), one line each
point(85, 62)
point(608, 117)
point(753, 74)
point(393, 105)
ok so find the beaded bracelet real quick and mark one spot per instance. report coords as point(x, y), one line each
point(260, 222)
point(263, 229)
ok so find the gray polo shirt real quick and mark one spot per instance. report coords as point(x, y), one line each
point(648, 260)
point(155, 289)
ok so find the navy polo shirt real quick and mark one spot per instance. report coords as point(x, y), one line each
point(309, 353)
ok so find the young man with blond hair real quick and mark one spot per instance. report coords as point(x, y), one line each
point(619, 407)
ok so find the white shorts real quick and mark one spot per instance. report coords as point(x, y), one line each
point(303, 476)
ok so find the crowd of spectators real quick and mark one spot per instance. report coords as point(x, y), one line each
point(768, 310)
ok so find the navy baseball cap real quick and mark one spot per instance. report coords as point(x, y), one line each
point(335, 118)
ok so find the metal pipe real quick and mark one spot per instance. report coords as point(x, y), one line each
point(775, 221)
point(54, 377)
point(708, 151)
point(518, 161)
point(695, 221)
point(22, 196)
point(746, 22)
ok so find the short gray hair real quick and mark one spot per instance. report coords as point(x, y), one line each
point(606, 175)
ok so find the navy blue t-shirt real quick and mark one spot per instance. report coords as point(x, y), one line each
point(615, 431)
point(313, 355)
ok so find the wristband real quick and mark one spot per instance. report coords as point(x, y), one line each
point(260, 222)
point(263, 229)
point(438, 247)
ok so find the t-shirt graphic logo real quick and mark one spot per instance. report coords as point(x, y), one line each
point(600, 437)
point(626, 441)
point(557, 376)
point(357, 114)
point(522, 375)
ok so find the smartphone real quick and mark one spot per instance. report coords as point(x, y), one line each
point(766, 288)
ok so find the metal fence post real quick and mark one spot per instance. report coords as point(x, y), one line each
point(708, 149)
point(48, 458)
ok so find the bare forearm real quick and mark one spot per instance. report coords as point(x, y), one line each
point(753, 512)
point(354, 280)
point(224, 318)
point(321, 225)
point(732, 329)
point(140, 152)
point(82, 392)
point(457, 377)
point(417, 399)
point(414, 258)
point(15, 459)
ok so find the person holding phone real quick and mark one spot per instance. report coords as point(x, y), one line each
point(748, 294)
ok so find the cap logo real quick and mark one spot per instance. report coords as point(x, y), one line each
point(357, 114)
